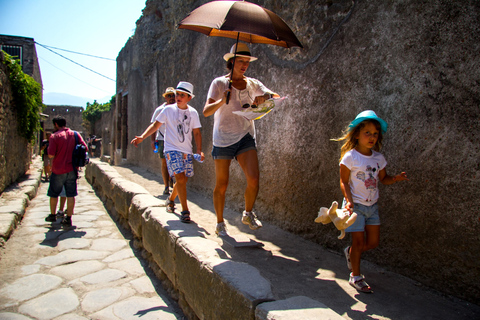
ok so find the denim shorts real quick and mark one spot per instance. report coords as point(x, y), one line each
point(178, 162)
point(227, 153)
point(366, 215)
point(58, 181)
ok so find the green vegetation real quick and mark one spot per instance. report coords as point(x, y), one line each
point(93, 111)
point(27, 98)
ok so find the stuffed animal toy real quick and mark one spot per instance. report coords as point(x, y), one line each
point(340, 218)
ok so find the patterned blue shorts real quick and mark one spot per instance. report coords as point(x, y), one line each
point(178, 162)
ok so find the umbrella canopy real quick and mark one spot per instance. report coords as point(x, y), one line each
point(240, 20)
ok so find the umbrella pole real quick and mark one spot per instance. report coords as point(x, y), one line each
point(233, 66)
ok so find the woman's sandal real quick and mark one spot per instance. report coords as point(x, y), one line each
point(185, 216)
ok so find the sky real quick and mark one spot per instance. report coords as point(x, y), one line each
point(93, 27)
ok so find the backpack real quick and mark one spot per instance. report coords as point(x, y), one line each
point(80, 155)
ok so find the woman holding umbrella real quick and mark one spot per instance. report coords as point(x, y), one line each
point(234, 135)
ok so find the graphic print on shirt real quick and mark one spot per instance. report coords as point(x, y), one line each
point(369, 180)
point(183, 124)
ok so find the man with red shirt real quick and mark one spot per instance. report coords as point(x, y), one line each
point(60, 148)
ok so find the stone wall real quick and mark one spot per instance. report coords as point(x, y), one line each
point(15, 151)
point(414, 62)
point(73, 116)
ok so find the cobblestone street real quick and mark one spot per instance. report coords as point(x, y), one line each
point(88, 272)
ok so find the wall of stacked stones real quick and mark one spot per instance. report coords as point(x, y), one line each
point(15, 152)
point(414, 62)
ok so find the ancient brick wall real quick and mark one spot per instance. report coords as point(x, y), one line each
point(73, 116)
point(415, 63)
point(15, 151)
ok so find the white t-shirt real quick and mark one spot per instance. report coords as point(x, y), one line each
point(179, 124)
point(364, 175)
point(161, 130)
point(229, 128)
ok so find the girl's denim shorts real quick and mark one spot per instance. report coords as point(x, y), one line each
point(366, 215)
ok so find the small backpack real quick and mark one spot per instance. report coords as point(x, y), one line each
point(80, 154)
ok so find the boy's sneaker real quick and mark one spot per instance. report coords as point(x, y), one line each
point(358, 282)
point(170, 206)
point(67, 222)
point(221, 229)
point(346, 251)
point(250, 218)
point(60, 214)
point(51, 218)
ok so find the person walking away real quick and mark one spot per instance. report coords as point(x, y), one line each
point(234, 135)
point(158, 139)
point(61, 145)
point(181, 122)
point(47, 162)
point(362, 167)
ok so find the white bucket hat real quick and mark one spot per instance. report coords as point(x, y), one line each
point(242, 51)
point(186, 87)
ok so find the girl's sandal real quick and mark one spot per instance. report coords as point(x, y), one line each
point(361, 285)
point(185, 216)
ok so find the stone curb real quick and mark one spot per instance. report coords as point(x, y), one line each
point(16, 197)
point(206, 284)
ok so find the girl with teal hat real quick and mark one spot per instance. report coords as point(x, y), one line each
point(362, 167)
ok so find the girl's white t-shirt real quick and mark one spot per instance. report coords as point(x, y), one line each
point(179, 124)
point(229, 128)
point(364, 175)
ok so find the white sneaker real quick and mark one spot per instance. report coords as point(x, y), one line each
point(221, 229)
point(250, 218)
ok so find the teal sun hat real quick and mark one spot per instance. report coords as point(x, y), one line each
point(366, 115)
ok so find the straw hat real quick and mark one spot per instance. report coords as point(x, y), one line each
point(242, 51)
point(168, 90)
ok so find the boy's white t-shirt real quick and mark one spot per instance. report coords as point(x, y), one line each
point(161, 130)
point(179, 124)
point(229, 128)
point(364, 175)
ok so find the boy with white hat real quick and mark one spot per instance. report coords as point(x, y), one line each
point(181, 122)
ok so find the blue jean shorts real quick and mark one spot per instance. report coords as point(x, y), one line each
point(366, 215)
point(227, 153)
point(178, 162)
point(59, 181)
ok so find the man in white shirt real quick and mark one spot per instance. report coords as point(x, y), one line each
point(158, 139)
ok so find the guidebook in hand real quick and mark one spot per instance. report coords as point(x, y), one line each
point(261, 110)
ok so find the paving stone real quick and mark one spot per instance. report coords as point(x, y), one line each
point(75, 243)
point(143, 285)
point(77, 269)
point(120, 255)
point(104, 276)
point(73, 255)
point(131, 266)
point(30, 269)
point(51, 305)
point(30, 286)
point(138, 308)
point(100, 299)
point(12, 316)
point(108, 244)
point(71, 316)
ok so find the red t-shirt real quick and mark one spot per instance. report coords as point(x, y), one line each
point(61, 146)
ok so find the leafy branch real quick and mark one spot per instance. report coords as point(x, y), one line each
point(27, 98)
